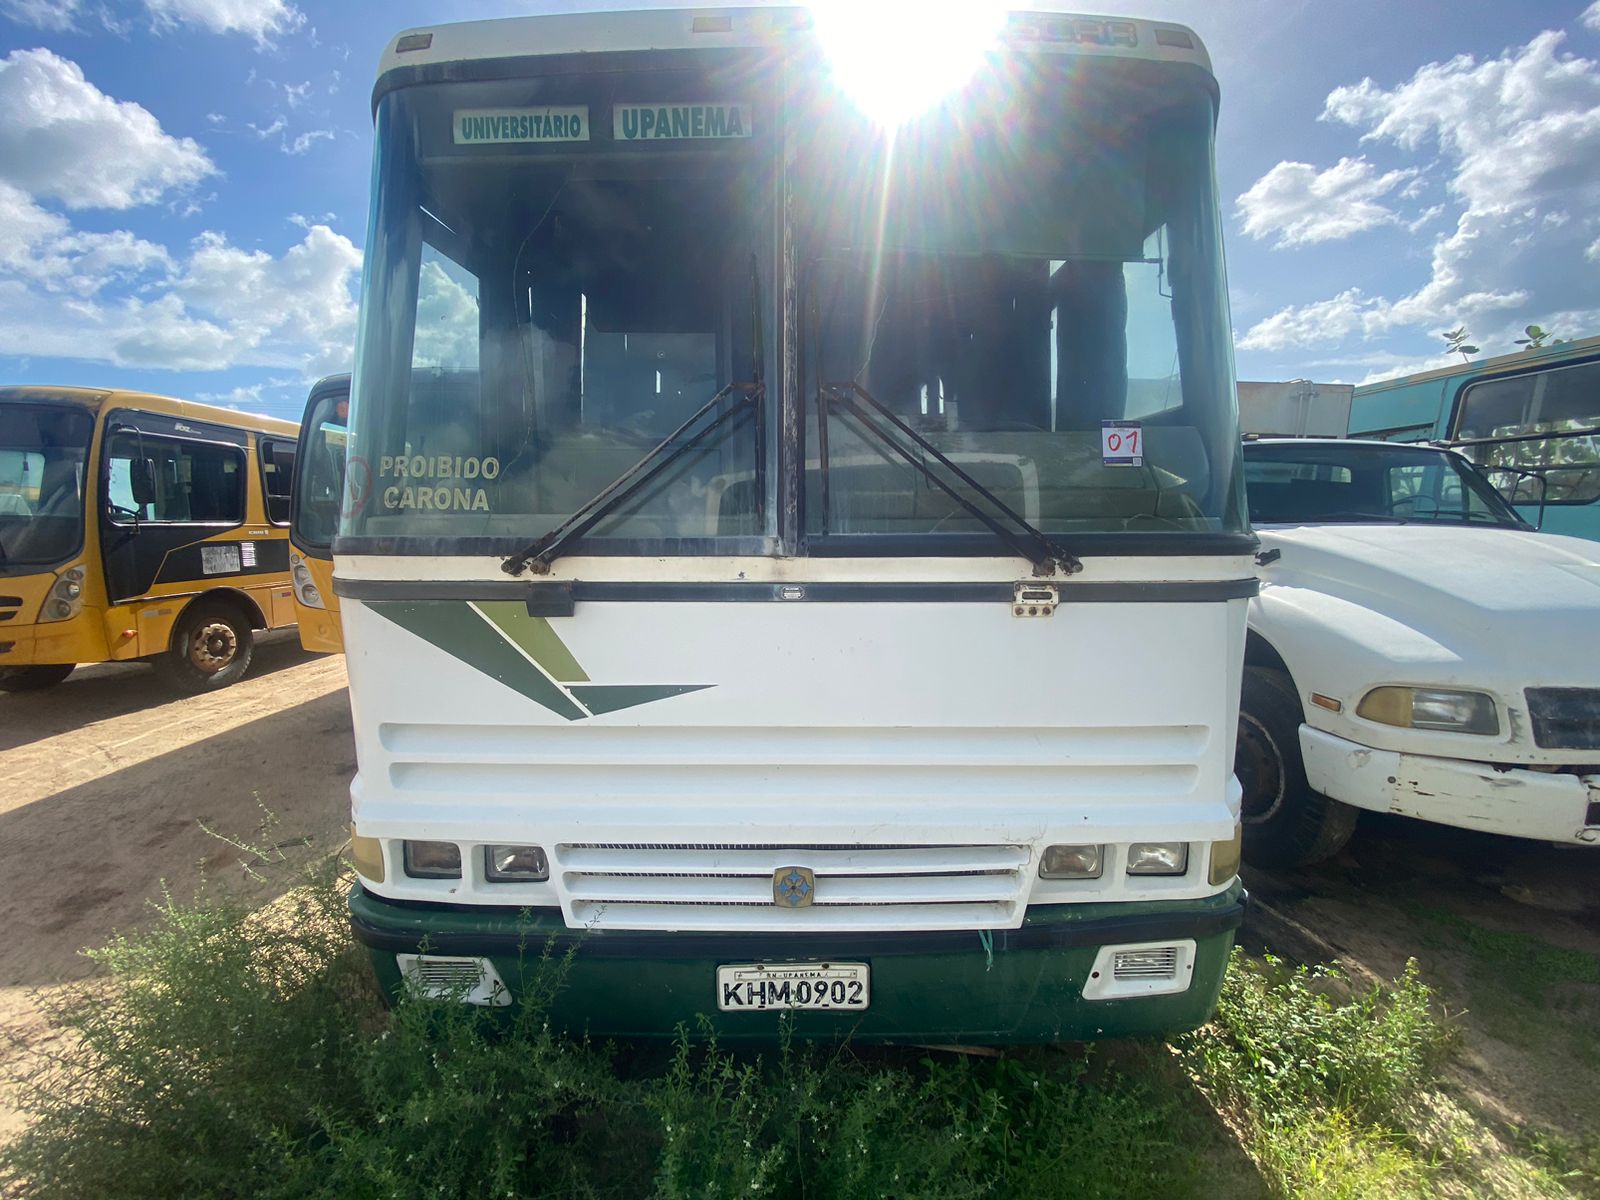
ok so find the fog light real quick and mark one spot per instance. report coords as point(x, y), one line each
point(433, 860)
point(515, 864)
point(1158, 858)
point(366, 853)
point(1070, 862)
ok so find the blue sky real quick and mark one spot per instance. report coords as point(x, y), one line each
point(183, 182)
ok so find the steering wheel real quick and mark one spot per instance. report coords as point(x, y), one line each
point(1411, 501)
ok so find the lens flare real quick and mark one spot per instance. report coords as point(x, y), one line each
point(898, 58)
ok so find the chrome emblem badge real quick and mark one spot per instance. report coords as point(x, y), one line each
point(793, 887)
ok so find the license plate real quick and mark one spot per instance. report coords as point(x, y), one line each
point(758, 987)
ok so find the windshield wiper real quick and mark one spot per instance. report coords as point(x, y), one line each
point(1028, 540)
point(541, 553)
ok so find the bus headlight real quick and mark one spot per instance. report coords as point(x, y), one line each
point(1158, 858)
point(515, 864)
point(305, 588)
point(1071, 862)
point(1444, 709)
point(65, 600)
point(433, 860)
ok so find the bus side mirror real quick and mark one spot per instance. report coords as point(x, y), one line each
point(142, 481)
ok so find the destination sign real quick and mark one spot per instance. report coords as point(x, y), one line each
point(659, 122)
point(554, 123)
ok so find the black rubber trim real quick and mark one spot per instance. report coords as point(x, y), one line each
point(605, 943)
point(557, 597)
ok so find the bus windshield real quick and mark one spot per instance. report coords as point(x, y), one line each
point(580, 273)
point(1315, 483)
point(1033, 282)
point(42, 453)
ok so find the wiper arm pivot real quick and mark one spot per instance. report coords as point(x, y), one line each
point(539, 555)
point(1027, 539)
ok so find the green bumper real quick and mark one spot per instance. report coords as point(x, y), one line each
point(1007, 987)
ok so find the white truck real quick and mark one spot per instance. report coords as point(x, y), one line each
point(1416, 648)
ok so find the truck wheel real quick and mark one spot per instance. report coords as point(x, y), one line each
point(1285, 823)
point(211, 649)
point(34, 679)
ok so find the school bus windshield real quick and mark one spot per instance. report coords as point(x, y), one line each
point(42, 453)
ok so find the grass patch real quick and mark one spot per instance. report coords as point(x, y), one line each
point(230, 1054)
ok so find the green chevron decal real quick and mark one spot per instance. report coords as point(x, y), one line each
point(500, 639)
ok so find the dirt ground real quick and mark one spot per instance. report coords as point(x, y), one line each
point(109, 784)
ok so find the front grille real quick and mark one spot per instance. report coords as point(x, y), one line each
point(697, 886)
point(1159, 963)
point(10, 601)
point(1565, 718)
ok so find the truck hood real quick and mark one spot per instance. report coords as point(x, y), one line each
point(1464, 587)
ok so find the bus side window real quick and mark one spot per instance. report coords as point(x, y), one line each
point(195, 482)
point(277, 478)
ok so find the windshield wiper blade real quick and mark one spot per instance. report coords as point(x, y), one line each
point(1028, 540)
point(541, 553)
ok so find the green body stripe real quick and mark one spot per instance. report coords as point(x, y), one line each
point(536, 637)
point(454, 628)
point(614, 697)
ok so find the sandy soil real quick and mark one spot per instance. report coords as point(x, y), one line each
point(108, 785)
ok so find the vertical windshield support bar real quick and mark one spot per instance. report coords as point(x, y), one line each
point(541, 553)
point(758, 374)
point(1032, 543)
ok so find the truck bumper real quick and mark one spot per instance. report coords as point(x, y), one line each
point(1520, 803)
point(1007, 987)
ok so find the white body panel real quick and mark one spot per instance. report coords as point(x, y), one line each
point(1353, 607)
point(873, 729)
point(1297, 408)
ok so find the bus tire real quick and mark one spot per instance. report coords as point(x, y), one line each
point(34, 679)
point(211, 649)
point(1285, 823)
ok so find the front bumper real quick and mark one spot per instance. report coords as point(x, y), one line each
point(1006, 987)
point(1520, 803)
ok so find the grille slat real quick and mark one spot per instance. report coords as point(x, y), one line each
point(1565, 718)
point(1145, 964)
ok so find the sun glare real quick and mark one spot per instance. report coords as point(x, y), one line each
point(898, 58)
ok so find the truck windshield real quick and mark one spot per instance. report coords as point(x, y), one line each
point(1033, 281)
point(1316, 483)
point(559, 277)
point(42, 453)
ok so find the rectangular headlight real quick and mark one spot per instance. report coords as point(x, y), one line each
point(1447, 710)
point(1158, 858)
point(515, 864)
point(1070, 862)
point(433, 860)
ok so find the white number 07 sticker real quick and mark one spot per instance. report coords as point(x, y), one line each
point(1121, 444)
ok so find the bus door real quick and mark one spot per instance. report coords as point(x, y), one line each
point(170, 487)
point(317, 500)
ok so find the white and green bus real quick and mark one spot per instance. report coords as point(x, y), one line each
point(793, 549)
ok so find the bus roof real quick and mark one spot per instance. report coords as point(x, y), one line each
point(102, 398)
point(1503, 363)
point(702, 28)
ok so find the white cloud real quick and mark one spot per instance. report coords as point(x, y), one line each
point(303, 142)
point(263, 20)
point(447, 320)
point(57, 16)
point(1300, 205)
point(1591, 16)
point(1518, 139)
point(113, 298)
point(62, 137)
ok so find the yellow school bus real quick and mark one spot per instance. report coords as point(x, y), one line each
point(138, 527)
point(320, 493)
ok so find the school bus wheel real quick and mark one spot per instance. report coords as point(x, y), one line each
point(33, 679)
point(211, 648)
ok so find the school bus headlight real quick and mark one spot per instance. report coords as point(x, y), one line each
point(433, 860)
point(66, 596)
point(515, 864)
point(1225, 858)
point(1446, 710)
point(1071, 862)
point(1158, 858)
